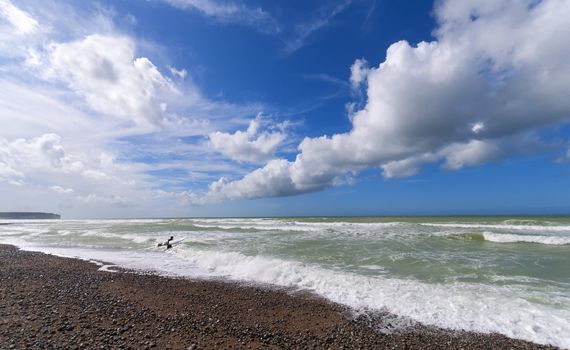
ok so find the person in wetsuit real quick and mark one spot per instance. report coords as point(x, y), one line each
point(167, 243)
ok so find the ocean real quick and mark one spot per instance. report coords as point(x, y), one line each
point(509, 275)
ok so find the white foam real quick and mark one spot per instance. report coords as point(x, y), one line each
point(373, 267)
point(514, 238)
point(136, 238)
point(296, 226)
point(241, 222)
point(18, 230)
point(108, 268)
point(260, 227)
point(146, 260)
point(559, 228)
point(457, 306)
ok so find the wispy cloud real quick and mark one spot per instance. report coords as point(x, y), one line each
point(21, 20)
point(294, 36)
point(366, 23)
point(327, 78)
point(304, 30)
point(231, 12)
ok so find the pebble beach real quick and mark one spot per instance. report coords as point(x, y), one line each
point(50, 302)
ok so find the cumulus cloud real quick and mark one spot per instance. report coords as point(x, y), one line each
point(456, 156)
point(105, 71)
point(43, 151)
point(46, 152)
point(358, 73)
point(406, 167)
point(10, 175)
point(472, 153)
point(35, 164)
point(252, 145)
point(498, 69)
point(45, 159)
point(274, 179)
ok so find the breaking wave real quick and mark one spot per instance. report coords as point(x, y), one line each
point(513, 238)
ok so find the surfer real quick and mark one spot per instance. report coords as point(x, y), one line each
point(167, 243)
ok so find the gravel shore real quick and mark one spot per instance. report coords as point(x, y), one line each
point(49, 302)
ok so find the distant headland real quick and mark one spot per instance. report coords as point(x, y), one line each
point(28, 216)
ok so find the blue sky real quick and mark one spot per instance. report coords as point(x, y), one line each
point(253, 108)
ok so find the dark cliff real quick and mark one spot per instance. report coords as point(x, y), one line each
point(28, 216)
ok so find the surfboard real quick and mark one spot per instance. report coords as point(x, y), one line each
point(172, 243)
point(178, 241)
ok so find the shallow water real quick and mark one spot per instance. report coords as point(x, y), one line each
point(491, 274)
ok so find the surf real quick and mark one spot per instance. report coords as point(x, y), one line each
point(514, 238)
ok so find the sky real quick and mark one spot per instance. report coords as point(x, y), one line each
point(175, 108)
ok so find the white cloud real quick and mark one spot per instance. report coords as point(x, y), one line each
point(25, 29)
point(180, 73)
point(498, 69)
point(90, 178)
point(98, 199)
point(42, 151)
point(61, 190)
point(478, 127)
point(231, 12)
point(248, 146)
point(9, 174)
point(18, 30)
point(358, 73)
point(406, 167)
point(474, 152)
point(46, 152)
point(21, 20)
point(105, 71)
point(304, 30)
point(274, 179)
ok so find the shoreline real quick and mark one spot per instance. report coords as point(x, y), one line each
point(48, 301)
